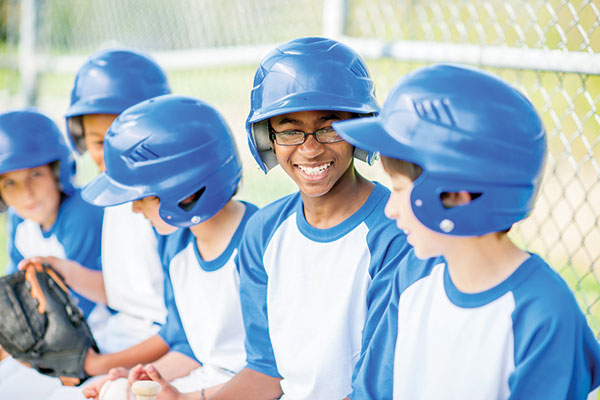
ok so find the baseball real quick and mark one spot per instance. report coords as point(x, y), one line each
point(146, 390)
point(116, 390)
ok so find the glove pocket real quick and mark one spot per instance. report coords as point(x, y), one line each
point(22, 325)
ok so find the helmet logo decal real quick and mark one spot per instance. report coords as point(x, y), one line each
point(139, 153)
point(436, 111)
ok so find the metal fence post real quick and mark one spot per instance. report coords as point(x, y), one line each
point(27, 54)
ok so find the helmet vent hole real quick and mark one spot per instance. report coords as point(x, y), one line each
point(358, 69)
point(191, 201)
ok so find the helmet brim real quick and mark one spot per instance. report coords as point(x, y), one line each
point(370, 134)
point(103, 191)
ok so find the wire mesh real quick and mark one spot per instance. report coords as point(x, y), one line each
point(565, 226)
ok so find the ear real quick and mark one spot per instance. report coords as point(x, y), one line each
point(455, 199)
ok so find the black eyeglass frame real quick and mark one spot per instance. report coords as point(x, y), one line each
point(273, 135)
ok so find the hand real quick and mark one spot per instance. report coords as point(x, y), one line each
point(62, 266)
point(92, 391)
point(138, 373)
point(149, 372)
point(3, 354)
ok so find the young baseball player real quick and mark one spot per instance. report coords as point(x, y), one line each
point(109, 82)
point(465, 152)
point(176, 159)
point(46, 217)
point(312, 263)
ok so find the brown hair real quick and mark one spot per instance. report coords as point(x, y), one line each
point(395, 166)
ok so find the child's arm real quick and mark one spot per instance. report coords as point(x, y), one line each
point(175, 365)
point(85, 281)
point(250, 384)
point(147, 351)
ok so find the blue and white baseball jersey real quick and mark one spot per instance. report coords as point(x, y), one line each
point(204, 319)
point(133, 279)
point(75, 236)
point(306, 291)
point(525, 338)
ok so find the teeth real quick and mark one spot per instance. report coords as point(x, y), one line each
point(314, 171)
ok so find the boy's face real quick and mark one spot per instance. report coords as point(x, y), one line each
point(94, 129)
point(315, 167)
point(33, 192)
point(148, 206)
point(426, 242)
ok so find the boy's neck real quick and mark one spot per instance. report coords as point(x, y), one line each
point(214, 234)
point(479, 263)
point(348, 194)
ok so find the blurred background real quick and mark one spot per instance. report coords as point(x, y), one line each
point(211, 48)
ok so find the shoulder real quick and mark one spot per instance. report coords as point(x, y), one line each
point(270, 217)
point(74, 210)
point(13, 219)
point(171, 245)
point(412, 269)
point(543, 288)
point(543, 301)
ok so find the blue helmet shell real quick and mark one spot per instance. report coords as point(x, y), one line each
point(469, 130)
point(29, 139)
point(171, 147)
point(307, 74)
point(109, 82)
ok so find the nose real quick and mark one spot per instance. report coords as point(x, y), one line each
point(136, 206)
point(310, 147)
point(390, 211)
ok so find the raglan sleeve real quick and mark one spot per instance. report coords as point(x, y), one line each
point(253, 296)
point(81, 232)
point(14, 256)
point(556, 353)
point(389, 250)
point(374, 372)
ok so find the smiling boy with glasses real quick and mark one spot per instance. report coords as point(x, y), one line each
point(311, 263)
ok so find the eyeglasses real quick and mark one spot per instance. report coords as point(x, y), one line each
point(295, 138)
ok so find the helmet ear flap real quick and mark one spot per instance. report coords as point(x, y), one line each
point(75, 126)
point(262, 141)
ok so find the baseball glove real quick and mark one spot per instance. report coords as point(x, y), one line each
point(41, 326)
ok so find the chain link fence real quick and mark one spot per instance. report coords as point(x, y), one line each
point(210, 49)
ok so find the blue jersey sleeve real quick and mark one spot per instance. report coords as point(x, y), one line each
point(388, 247)
point(14, 256)
point(79, 230)
point(374, 372)
point(253, 296)
point(552, 333)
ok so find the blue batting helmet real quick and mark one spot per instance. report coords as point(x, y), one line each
point(468, 130)
point(109, 82)
point(29, 139)
point(304, 75)
point(171, 147)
